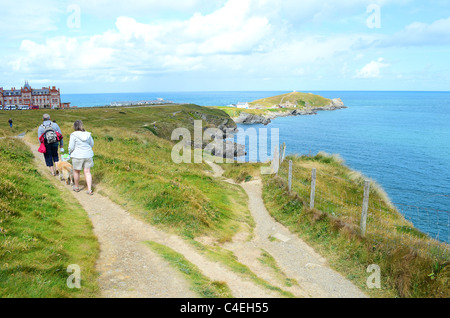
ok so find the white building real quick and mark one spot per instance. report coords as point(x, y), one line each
point(242, 105)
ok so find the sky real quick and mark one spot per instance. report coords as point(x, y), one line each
point(100, 46)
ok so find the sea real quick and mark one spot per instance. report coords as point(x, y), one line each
point(399, 139)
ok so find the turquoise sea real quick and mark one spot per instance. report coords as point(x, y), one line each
point(399, 139)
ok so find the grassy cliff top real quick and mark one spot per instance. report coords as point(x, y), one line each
point(133, 165)
point(296, 98)
point(412, 263)
point(160, 120)
point(235, 112)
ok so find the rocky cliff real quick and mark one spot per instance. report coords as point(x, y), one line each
point(265, 119)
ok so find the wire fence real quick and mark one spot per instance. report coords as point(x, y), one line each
point(343, 197)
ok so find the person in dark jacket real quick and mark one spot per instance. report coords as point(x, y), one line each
point(10, 122)
point(51, 154)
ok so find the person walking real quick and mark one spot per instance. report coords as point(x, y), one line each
point(51, 136)
point(10, 122)
point(80, 150)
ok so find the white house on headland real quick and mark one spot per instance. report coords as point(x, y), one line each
point(242, 105)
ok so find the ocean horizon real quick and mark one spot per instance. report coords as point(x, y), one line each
point(400, 139)
point(201, 98)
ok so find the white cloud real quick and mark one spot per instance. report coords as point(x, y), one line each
point(372, 69)
point(231, 39)
point(19, 20)
point(145, 8)
point(158, 47)
point(418, 33)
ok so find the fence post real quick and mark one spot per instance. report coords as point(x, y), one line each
point(313, 189)
point(290, 176)
point(282, 152)
point(365, 207)
point(276, 161)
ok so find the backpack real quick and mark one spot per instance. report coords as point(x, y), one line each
point(50, 136)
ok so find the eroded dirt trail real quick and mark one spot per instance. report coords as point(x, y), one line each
point(128, 268)
point(294, 257)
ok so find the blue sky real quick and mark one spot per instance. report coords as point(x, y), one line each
point(105, 46)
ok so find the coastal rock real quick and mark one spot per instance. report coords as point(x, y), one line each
point(214, 140)
point(219, 148)
point(228, 149)
point(337, 102)
point(289, 107)
point(251, 119)
point(303, 112)
point(224, 124)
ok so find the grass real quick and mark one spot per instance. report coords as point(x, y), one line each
point(178, 197)
point(200, 284)
point(133, 166)
point(42, 232)
point(240, 172)
point(264, 105)
point(269, 261)
point(235, 112)
point(160, 120)
point(296, 98)
point(142, 176)
point(227, 258)
point(412, 264)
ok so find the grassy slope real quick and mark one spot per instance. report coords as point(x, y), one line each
point(41, 232)
point(164, 118)
point(134, 166)
point(235, 112)
point(296, 98)
point(412, 265)
point(182, 198)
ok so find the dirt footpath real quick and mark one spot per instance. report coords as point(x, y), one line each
point(294, 257)
point(129, 268)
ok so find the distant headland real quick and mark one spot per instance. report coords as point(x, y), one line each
point(263, 111)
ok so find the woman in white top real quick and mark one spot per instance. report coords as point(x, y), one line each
point(80, 150)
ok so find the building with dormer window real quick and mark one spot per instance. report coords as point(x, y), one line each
point(46, 97)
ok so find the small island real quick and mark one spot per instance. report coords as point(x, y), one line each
point(263, 111)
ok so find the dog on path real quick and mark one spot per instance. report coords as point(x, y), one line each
point(65, 171)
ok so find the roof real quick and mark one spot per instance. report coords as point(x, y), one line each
point(42, 91)
point(10, 92)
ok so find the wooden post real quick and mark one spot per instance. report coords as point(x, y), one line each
point(313, 189)
point(365, 207)
point(282, 152)
point(276, 161)
point(290, 176)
